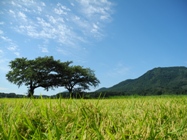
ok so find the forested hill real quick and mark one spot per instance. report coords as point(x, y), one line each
point(166, 80)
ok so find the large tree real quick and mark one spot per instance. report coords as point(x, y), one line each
point(77, 77)
point(48, 73)
point(40, 72)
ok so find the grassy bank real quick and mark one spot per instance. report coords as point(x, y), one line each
point(126, 118)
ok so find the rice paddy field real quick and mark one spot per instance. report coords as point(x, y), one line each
point(136, 118)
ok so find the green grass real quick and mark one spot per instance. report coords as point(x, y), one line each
point(149, 118)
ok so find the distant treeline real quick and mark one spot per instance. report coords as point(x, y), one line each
point(104, 94)
point(14, 95)
point(10, 95)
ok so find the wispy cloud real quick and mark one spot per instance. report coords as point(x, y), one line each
point(119, 70)
point(6, 39)
point(10, 45)
point(1, 32)
point(12, 48)
point(1, 53)
point(44, 49)
point(3, 63)
point(68, 25)
point(101, 10)
point(22, 16)
point(61, 10)
point(63, 51)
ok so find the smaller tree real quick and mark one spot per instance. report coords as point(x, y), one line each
point(77, 77)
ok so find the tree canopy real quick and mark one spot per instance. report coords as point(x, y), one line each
point(48, 73)
point(78, 78)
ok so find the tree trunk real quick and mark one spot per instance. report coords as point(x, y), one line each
point(71, 93)
point(31, 89)
point(31, 92)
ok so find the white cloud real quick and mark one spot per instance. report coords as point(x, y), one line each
point(44, 49)
point(11, 12)
point(12, 48)
point(13, 3)
point(52, 19)
point(119, 70)
point(64, 52)
point(1, 32)
point(61, 10)
point(104, 17)
point(22, 15)
point(96, 30)
point(97, 13)
point(10, 45)
point(63, 7)
point(43, 23)
point(39, 9)
point(96, 8)
point(43, 4)
point(72, 4)
point(17, 54)
point(71, 26)
point(6, 39)
point(16, 4)
point(1, 53)
point(26, 10)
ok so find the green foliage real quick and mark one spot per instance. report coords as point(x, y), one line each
point(33, 73)
point(156, 117)
point(78, 78)
point(49, 73)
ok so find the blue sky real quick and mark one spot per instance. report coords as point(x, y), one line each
point(118, 39)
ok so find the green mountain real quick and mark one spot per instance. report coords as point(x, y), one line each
point(166, 80)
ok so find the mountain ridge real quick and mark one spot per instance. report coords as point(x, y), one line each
point(156, 80)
